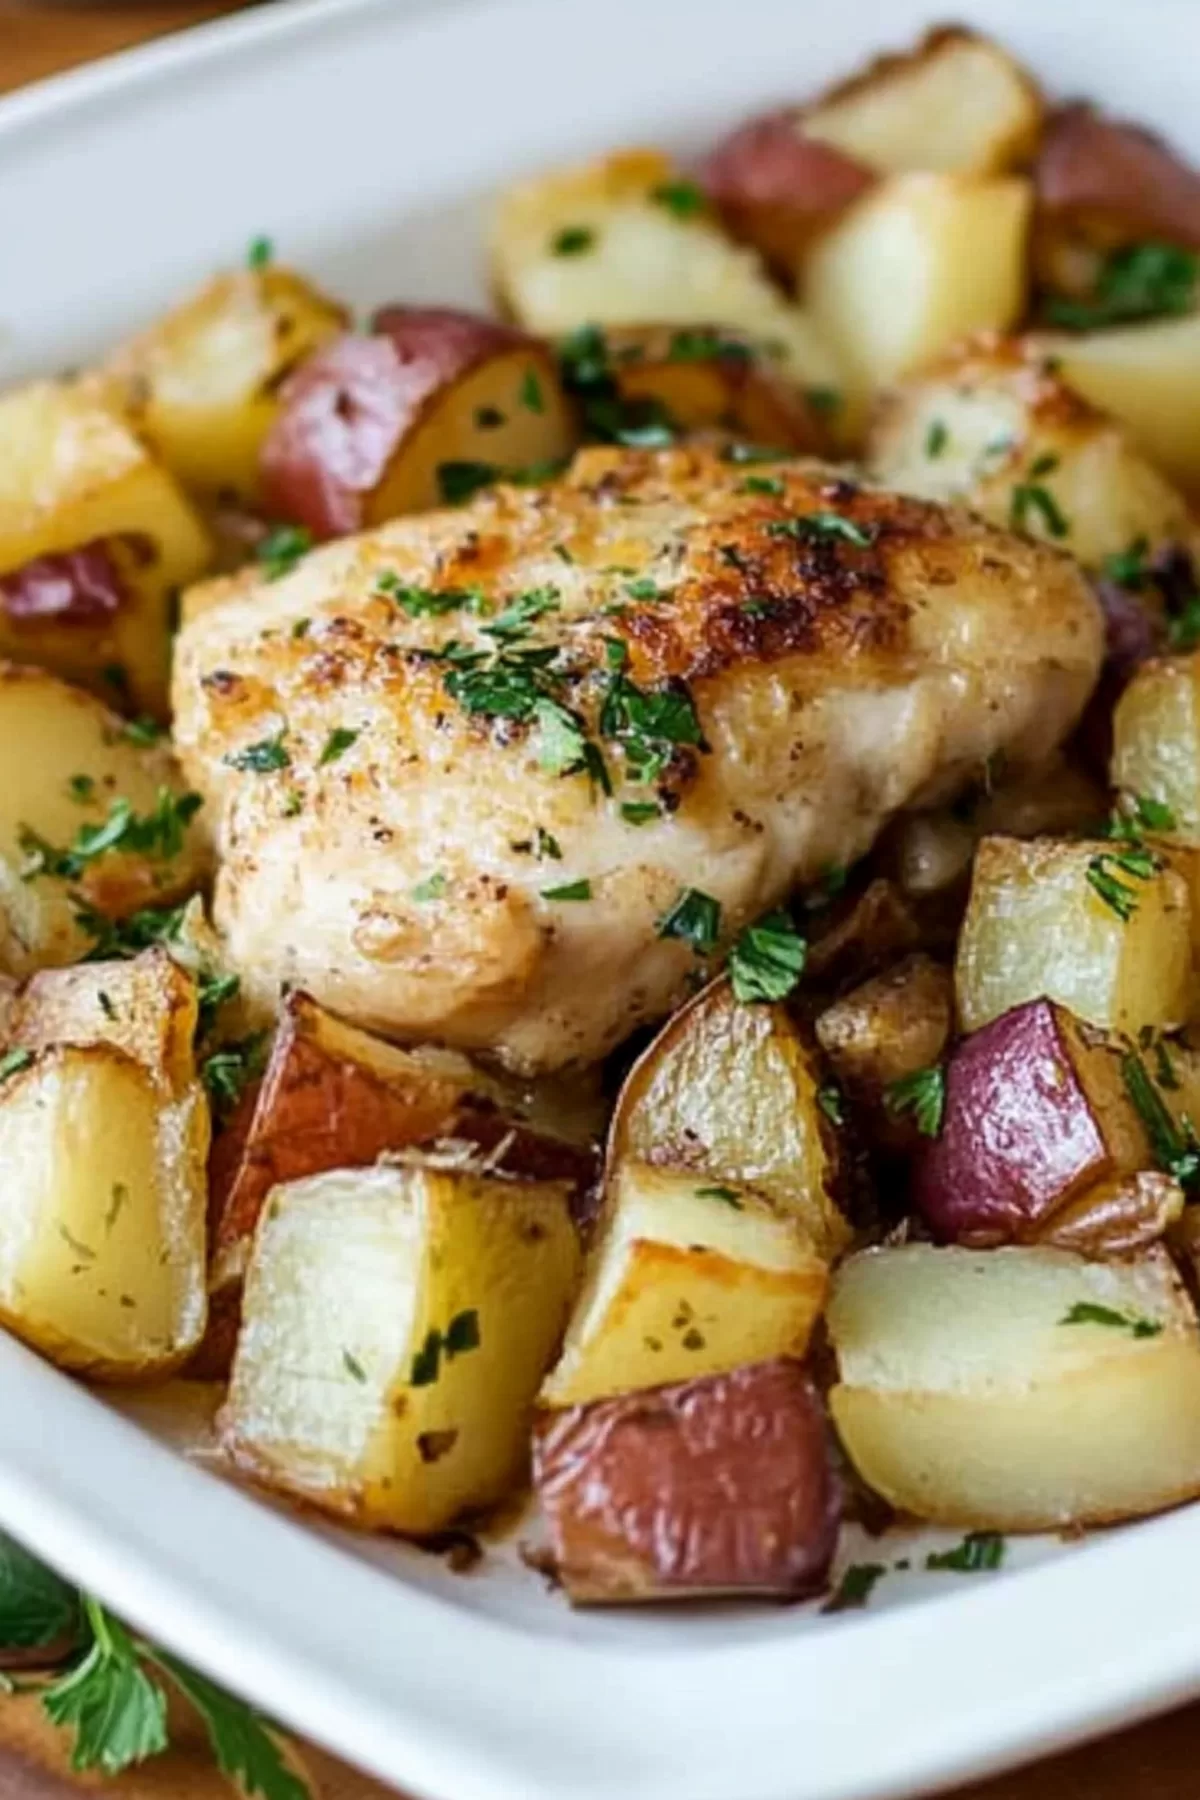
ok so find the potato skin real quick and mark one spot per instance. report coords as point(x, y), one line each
point(73, 587)
point(719, 1486)
point(776, 188)
point(1114, 182)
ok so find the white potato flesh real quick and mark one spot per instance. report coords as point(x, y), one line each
point(1017, 1389)
point(688, 1277)
point(1156, 741)
point(396, 1325)
point(917, 263)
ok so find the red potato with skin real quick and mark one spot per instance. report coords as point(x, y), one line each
point(365, 425)
point(1103, 183)
point(74, 587)
point(719, 1486)
point(1036, 1114)
point(776, 188)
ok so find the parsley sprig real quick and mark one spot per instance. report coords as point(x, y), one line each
point(159, 833)
point(1141, 281)
point(1111, 873)
point(1087, 1312)
point(767, 959)
point(922, 1096)
point(1176, 1148)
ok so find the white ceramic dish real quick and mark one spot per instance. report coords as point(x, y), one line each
point(362, 135)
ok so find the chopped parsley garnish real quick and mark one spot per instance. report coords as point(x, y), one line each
point(767, 959)
point(1106, 872)
point(1176, 1148)
point(979, 1550)
point(1130, 567)
point(353, 1367)
point(832, 1104)
point(825, 526)
point(639, 422)
point(1031, 497)
point(572, 240)
point(260, 253)
point(922, 1095)
point(640, 812)
point(761, 484)
point(1087, 1312)
point(514, 620)
point(426, 603)
point(212, 993)
point(143, 731)
point(262, 758)
point(694, 344)
point(432, 888)
point(649, 724)
point(936, 438)
point(683, 198)
point(644, 587)
point(532, 398)
point(229, 1071)
point(546, 846)
point(340, 739)
point(282, 549)
point(457, 481)
point(118, 938)
point(727, 1195)
point(696, 918)
point(570, 890)
point(82, 789)
point(855, 1588)
point(488, 418)
point(13, 1061)
point(159, 833)
point(1144, 814)
point(1142, 281)
point(460, 1335)
point(823, 400)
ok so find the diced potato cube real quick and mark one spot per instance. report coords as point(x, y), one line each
point(917, 263)
point(598, 245)
point(730, 1092)
point(145, 1006)
point(885, 1029)
point(73, 475)
point(688, 1277)
point(1018, 1389)
point(957, 103)
point(1156, 742)
point(397, 1323)
point(1100, 927)
point(85, 767)
point(202, 384)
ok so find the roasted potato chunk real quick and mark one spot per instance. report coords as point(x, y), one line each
point(717, 1486)
point(991, 424)
point(397, 1322)
point(916, 264)
point(334, 1097)
point(202, 384)
point(1017, 1389)
point(731, 1092)
point(777, 188)
point(427, 407)
point(608, 244)
point(95, 538)
point(1036, 1112)
point(1156, 743)
point(1104, 928)
point(89, 783)
point(687, 1278)
point(104, 1134)
point(956, 103)
point(882, 1031)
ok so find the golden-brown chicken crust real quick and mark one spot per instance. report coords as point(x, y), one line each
point(826, 652)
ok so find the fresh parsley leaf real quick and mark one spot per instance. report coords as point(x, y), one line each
point(13, 1062)
point(1176, 1148)
point(116, 938)
point(1030, 497)
point(826, 526)
point(159, 834)
point(1105, 876)
point(37, 1609)
point(832, 1103)
point(649, 723)
point(644, 587)
point(262, 758)
point(855, 1588)
point(281, 550)
point(697, 344)
point(767, 959)
point(426, 603)
point(683, 198)
point(923, 1095)
point(572, 240)
point(82, 789)
point(936, 438)
point(143, 731)
point(336, 745)
point(696, 918)
point(1086, 1312)
point(432, 888)
point(569, 890)
point(214, 992)
point(1130, 567)
point(729, 1196)
point(532, 398)
point(761, 484)
point(229, 1071)
point(457, 481)
point(260, 253)
point(513, 622)
point(1145, 814)
point(640, 812)
point(1141, 281)
point(462, 1333)
point(245, 1747)
point(117, 1712)
point(979, 1550)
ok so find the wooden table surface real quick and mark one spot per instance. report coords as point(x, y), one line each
point(1156, 1761)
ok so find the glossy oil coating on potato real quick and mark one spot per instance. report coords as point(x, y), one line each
point(794, 663)
point(719, 1486)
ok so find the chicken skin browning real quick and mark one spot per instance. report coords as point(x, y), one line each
point(461, 767)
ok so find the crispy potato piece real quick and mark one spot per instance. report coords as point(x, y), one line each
point(104, 1134)
point(1019, 1389)
point(916, 264)
point(1156, 742)
point(863, 934)
point(717, 1486)
point(602, 244)
point(95, 538)
point(397, 1323)
point(399, 420)
point(686, 1278)
point(886, 1028)
point(1104, 184)
point(1087, 924)
point(1036, 1112)
point(703, 378)
point(730, 1091)
point(85, 764)
point(1145, 376)
point(990, 424)
point(777, 188)
point(335, 1097)
point(956, 103)
point(202, 384)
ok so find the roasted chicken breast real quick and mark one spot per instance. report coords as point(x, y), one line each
point(462, 767)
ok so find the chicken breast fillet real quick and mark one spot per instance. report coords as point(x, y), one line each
point(460, 769)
